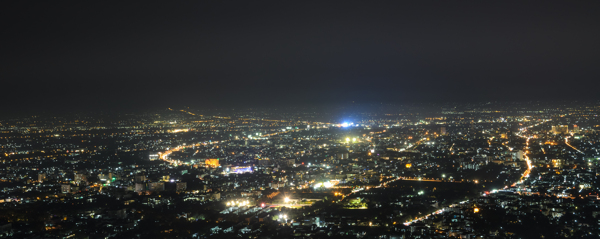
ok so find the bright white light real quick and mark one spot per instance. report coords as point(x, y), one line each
point(345, 124)
point(327, 184)
point(286, 199)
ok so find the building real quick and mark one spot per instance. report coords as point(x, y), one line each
point(140, 187)
point(518, 154)
point(343, 155)
point(156, 186)
point(560, 129)
point(264, 162)
point(181, 186)
point(576, 129)
point(140, 178)
point(213, 163)
point(442, 130)
point(42, 177)
point(288, 162)
point(80, 177)
point(65, 188)
point(153, 156)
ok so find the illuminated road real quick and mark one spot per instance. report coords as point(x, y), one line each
point(527, 160)
point(525, 175)
point(165, 155)
point(573, 147)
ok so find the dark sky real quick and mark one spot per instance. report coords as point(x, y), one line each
point(127, 54)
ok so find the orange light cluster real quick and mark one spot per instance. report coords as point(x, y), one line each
point(212, 163)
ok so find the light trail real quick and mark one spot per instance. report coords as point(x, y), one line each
point(573, 147)
point(529, 166)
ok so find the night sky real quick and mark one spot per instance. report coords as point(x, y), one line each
point(206, 54)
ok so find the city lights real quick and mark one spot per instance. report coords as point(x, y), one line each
point(218, 119)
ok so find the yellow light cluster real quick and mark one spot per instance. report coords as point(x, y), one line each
point(212, 163)
point(238, 203)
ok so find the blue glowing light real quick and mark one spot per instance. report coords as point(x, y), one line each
point(243, 170)
point(346, 124)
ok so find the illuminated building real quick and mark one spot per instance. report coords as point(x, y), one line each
point(576, 129)
point(518, 154)
point(264, 162)
point(213, 163)
point(41, 177)
point(140, 178)
point(80, 177)
point(65, 188)
point(156, 186)
point(139, 187)
point(153, 156)
point(557, 163)
point(103, 177)
point(240, 170)
point(343, 155)
point(287, 162)
point(560, 129)
point(442, 130)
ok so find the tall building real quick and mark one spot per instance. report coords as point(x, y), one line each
point(140, 178)
point(139, 187)
point(156, 186)
point(442, 130)
point(41, 177)
point(104, 177)
point(576, 129)
point(518, 154)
